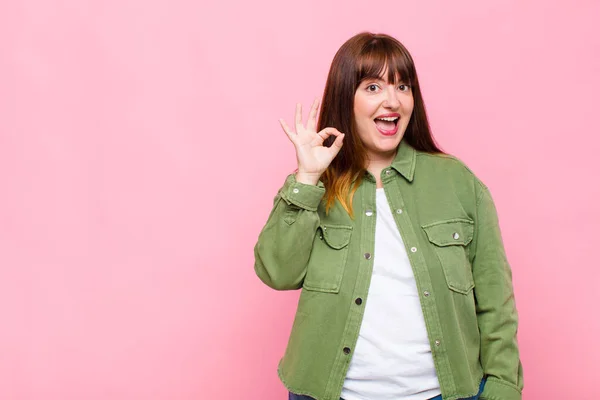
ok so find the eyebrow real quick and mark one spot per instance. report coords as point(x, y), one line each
point(379, 79)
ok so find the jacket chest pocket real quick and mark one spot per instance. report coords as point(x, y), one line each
point(328, 258)
point(450, 240)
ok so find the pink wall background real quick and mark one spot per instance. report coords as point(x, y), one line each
point(140, 153)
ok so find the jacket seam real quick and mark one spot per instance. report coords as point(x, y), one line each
point(504, 383)
point(289, 387)
point(476, 225)
point(449, 157)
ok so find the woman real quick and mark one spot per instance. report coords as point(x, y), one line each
point(406, 290)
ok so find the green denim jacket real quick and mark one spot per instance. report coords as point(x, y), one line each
point(449, 225)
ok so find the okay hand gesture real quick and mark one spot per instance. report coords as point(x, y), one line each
point(313, 158)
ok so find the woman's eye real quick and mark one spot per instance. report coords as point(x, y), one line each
point(404, 88)
point(371, 88)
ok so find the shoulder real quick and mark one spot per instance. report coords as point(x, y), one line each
point(443, 160)
point(444, 166)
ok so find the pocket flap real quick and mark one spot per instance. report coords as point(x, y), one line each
point(336, 236)
point(457, 231)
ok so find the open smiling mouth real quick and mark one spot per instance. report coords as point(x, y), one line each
point(387, 125)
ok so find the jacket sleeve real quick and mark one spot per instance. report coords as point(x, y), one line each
point(283, 248)
point(496, 310)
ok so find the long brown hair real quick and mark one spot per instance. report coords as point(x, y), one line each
point(365, 56)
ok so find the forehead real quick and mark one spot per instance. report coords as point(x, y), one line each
point(386, 61)
point(384, 76)
point(382, 73)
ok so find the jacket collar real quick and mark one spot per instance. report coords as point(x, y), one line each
point(405, 160)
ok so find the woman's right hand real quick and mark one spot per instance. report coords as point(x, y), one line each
point(313, 158)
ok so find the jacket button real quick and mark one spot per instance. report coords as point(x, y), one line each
point(368, 256)
point(346, 350)
point(358, 301)
point(426, 293)
point(368, 213)
point(456, 235)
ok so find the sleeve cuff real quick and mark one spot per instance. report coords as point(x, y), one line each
point(496, 389)
point(302, 195)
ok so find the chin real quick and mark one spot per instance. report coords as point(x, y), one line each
point(388, 147)
point(390, 143)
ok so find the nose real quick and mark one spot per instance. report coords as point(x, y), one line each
point(391, 100)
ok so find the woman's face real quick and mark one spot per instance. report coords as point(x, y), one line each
point(382, 112)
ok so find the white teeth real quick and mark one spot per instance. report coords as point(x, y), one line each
point(391, 119)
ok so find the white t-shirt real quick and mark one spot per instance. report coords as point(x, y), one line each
point(392, 359)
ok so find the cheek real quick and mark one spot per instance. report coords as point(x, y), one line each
point(363, 107)
point(410, 104)
point(358, 107)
